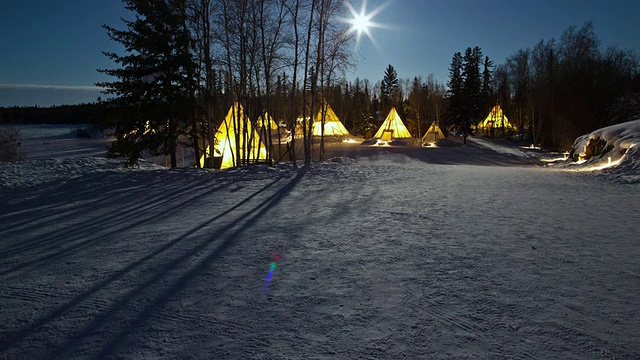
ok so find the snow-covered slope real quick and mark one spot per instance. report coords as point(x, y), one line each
point(391, 253)
point(612, 150)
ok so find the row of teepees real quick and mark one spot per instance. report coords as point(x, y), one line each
point(237, 143)
point(394, 129)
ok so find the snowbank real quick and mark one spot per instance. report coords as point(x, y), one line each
point(613, 150)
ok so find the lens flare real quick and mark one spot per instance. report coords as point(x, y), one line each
point(275, 258)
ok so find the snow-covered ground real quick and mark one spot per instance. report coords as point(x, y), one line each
point(384, 252)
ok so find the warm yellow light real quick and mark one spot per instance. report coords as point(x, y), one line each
point(602, 166)
point(553, 160)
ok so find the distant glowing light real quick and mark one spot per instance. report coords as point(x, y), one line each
point(361, 21)
point(553, 160)
point(349, 141)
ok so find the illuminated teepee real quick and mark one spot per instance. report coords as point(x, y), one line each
point(236, 141)
point(332, 125)
point(433, 134)
point(269, 122)
point(496, 120)
point(392, 128)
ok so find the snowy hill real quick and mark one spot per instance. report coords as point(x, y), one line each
point(384, 252)
point(613, 150)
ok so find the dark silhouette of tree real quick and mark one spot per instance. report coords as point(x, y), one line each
point(389, 89)
point(153, 88)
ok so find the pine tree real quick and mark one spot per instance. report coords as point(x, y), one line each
point(389, 88)
point(153, 91)
point(466, 104)
point(487, 88)
point(455, 112)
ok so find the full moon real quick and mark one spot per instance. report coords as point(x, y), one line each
point(361, 21)
point(360, 24)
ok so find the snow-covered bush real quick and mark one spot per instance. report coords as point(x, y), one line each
point(10, 150)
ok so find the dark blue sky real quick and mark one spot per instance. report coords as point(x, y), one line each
point(52, 48)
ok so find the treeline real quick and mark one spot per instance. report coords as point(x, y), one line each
point(560, 89)
point(188, 61)
point(65, 114)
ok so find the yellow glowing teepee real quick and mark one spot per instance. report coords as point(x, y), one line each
point(433, 134)
point(269, 122)
point(332, 125)
point(236, 141)
point(496, 119)
point(392, 128)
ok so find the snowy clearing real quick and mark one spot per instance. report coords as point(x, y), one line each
point(384, 252)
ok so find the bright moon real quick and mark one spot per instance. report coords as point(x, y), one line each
point(361, 21)
point(360, 24)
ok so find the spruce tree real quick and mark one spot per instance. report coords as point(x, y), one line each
point(389, 87)
point(455, 112)
point(153, 90)
point(487, 88)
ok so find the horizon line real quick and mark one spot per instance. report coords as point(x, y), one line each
point(50, 87)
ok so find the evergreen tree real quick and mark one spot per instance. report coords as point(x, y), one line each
point(154, 89)
point(472, 87)
point(455, 112)
point(466, 86)
point(487, 87)
point(389, 88)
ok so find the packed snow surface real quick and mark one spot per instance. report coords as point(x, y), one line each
point(383, 252)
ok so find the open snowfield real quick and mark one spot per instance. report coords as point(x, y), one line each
point(384, 253)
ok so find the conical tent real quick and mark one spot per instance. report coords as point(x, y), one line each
point(392, 128)
point(433, 134)
point(269, 122)
point(234, 131)
point(332, 125)
point(496, 119)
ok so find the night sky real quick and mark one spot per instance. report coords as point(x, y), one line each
point(51, 49)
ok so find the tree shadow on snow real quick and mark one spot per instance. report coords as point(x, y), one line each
point(159, 263)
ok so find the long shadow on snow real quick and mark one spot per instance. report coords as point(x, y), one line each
point(226, 239)
point(20, 335)
point(85, 232)
point(113, 197)
point(82, 235)
point(118, 188)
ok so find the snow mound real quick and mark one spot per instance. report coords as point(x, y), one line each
point(612, 151)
